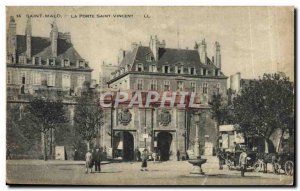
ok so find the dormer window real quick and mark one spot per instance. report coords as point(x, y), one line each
point(36, 60)
point(192, 71)
point(66, 62)
point(166, 69)
point(51, 61)
point(81, 64)
point(139, 67)
point(152, 68)
point(179, 69)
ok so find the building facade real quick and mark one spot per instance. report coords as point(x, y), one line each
point(164, 130)
point(40, 66)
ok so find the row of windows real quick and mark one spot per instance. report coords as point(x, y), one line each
point(50, 62)
point(35, 78)
point(178, 70)
point(180, 86)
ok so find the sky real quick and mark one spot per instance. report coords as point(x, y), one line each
point(254, 40)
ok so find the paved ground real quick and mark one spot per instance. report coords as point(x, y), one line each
point(161, 173)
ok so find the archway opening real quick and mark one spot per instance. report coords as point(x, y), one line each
point(164, 140)
point(128, 146)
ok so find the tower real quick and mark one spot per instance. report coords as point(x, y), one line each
point(28, 38)
point(217, 55)
point(53, 38)
point(12, 41)
point(202, 52)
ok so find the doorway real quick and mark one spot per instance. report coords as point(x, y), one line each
point(164, 140)
point(128, 144)
point(123, 145)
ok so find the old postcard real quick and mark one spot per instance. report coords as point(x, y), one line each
point(150, 96)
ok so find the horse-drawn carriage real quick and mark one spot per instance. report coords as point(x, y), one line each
point(260, 152)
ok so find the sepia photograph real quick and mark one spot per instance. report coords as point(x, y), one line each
point(150, 95)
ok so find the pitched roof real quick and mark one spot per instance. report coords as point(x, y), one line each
point(167, 56)
point(41, 47)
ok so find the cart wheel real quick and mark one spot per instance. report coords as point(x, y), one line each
point(289, 168)
point(258, 165)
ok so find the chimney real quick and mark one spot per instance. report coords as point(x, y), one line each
point(53, 38)
point(202, 51)
point(28, 33)
point(155, 45)
point(218, 55)
point(12, 41)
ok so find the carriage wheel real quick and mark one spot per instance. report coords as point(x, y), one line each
point(257, 167)
point(289, 168)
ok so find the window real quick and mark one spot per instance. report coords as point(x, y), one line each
point(204, 88)
point(66, 63)
point(37, 60)
point(139, 67)
point(179, 85)
point(140, 84)
point(153, 68)
point(166, 85)
point(204, 72)
point(166, 69)
point(23, 78)
point(36, 78)
point(153, 85)
point(81, 64)
point(51, 61)
point(80, 80)
point(192, 71)
point(193, 87)
point(218, 88)
point(66, 81)
point(9, 77)
point(50, 79)
point(179, 69)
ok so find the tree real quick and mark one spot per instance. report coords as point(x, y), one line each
point(220, 110)
point(45, 115)
point(265, 105)
point(88, 117)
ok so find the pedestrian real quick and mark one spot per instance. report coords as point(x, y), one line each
point(154, 156)
point(178, 155)
point(144, 160)
point(88, 161)
point(138, 154)
point(97, 160)
point(243, 161)
point(221, 158)
point(76, 155)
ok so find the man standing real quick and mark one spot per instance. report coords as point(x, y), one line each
point(243, 161)
point(97, 160)
point(144, 160)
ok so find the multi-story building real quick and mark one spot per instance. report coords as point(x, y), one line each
point(165, 130)
point(37, 62)
point(43, 66)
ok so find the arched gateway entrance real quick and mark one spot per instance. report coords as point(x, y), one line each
point(164, 140)
point(124, 145)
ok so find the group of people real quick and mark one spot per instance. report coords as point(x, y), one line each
point(93, 158)
point(242, 158)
